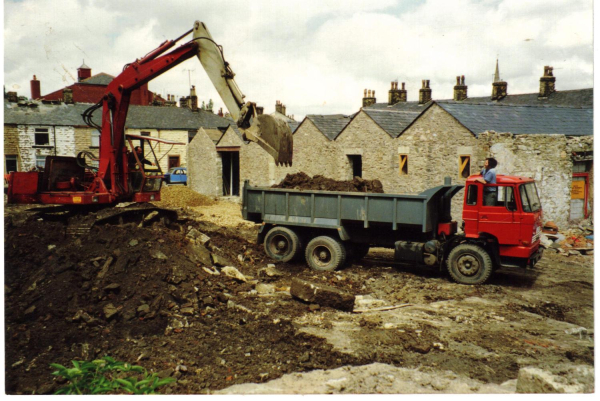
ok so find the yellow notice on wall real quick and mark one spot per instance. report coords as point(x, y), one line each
point(578, 190)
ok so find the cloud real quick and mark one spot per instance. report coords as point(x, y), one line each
point(316, 56)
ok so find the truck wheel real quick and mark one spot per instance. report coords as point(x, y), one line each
point(356, 252)
point(469, 264)
point(325, 254)
point(282, 244)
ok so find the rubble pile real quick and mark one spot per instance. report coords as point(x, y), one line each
point(574, 241)
point(303, 181)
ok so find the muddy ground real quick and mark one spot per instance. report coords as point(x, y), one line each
point(155, 293)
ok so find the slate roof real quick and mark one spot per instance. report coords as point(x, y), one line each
point(330, 125)
point(569, 98)
point(395, 120)
point(139, 117)
point(98, 79)
point(478, 118)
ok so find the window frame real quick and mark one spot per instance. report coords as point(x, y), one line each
point(464, 166)
point(41, 131)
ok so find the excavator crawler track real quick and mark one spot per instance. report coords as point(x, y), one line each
point(81, 220)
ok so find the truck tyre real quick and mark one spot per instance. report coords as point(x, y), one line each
point(282, 244)
point(469, 264)
point(356, 252)
point(325, 254)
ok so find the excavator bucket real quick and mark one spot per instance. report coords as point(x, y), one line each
point(272, 134)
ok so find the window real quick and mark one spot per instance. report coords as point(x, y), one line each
point(145, 133)
point(95, 139)
point(472, 195)
point(173, 162)
point(403, 165)
point(464, 166)
point(529, 197)
point(10, 163)
point(42, 137)
point(40, 161)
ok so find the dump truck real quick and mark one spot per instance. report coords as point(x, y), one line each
point(332, 228)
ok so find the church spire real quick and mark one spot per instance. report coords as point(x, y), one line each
point(497, 73)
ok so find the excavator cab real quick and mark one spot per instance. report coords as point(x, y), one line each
point(143, 165)
point(272, 134)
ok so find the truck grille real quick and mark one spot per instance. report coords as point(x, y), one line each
point(537, 235)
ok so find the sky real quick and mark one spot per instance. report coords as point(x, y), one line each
point(315, 56)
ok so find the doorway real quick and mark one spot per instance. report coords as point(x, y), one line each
point(355, 165)
point(231, 173)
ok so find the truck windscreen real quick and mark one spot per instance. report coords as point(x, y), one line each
point(529, 197)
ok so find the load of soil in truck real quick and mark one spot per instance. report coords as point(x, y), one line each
point(303, 181)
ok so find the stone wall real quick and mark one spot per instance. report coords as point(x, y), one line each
point(61, 143)
point(203, 167)
point(11, 144)
point(546, 158)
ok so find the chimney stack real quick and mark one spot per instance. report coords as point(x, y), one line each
point(424, 92)
point(547, 83)
point(260, 110)
point(220, 112)
point(12, 97)
point(499, 87)
point(278, 107)
point(193, 99)
point(184, 102)
point(83, 72)
point(35, 89)
point(68, 96)
point(369, 98)
point(396, 95)
point(460, 90)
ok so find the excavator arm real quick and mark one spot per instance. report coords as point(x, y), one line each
point(271, 134)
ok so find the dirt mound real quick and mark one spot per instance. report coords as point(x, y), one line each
point(146, 295)
point(181, 196)
point(303, 181)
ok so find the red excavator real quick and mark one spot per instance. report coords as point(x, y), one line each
point(123, 175)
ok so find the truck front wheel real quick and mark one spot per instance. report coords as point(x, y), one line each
point(282, 244)
point(325, 254)
point(469, 264)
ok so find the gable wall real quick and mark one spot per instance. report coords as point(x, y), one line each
point(203, 165)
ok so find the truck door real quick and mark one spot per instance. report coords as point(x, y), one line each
point(501, 219)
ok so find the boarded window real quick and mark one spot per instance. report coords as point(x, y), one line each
point(464, 166)
point(42, 137)
point(403, 169)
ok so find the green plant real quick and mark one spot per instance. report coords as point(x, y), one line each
point(106, 375)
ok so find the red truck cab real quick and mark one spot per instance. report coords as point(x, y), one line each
point(511, 226)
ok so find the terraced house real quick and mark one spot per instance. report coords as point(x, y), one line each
point(411, 146)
